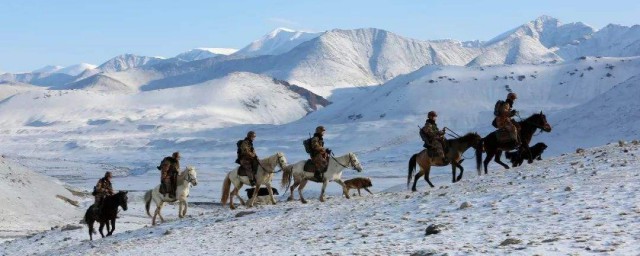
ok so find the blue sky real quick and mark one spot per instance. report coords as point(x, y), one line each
point(63, 32)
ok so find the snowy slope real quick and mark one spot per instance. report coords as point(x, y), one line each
point(203, 53)
point(612, 40)
point(609, 117)
point(236, 99)
point(573, 204)
point(276, 42)
point(8, 89)
point(47, 69)
point(30, 203)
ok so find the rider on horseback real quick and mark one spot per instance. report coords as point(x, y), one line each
point(169, 167)
point(247, 158)
point(433, 137)
point(504, 112)
point(102, 189)
point(319, 155)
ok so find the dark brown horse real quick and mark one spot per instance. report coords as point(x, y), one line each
point(107, 214)
point(491, 146)
point(455, 149)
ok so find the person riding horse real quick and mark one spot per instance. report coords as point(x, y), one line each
point(169, 167)
point(504, 113)
point(433, 137)
point(247, 158)
point(103, 189)
point(319, 154)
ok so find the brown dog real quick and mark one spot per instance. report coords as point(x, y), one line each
point(358, 183)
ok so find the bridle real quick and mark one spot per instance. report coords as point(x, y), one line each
point(351, 162)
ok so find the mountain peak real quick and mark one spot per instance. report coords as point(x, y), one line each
point(545, 19)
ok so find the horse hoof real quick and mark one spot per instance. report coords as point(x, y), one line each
point(459, 179)
point(303, 201)
point(233, 207)
point(322, 200)
point(290, 199)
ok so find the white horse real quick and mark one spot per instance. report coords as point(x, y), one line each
point(334, 173)
point(185, 179)
point(263, 177)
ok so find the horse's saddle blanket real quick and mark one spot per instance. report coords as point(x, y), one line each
point(309, 166)
point(504, 136)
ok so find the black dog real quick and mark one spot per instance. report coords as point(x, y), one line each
point(518, 157)
point(261, 192)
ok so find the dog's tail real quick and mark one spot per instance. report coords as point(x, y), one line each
point(226, 187)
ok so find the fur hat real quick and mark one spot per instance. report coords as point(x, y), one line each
point(320, 129)
point(512, 96)
point(431, 114)
point(251, 134)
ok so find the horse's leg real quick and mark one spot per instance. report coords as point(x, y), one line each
point(416, 178)
point(490, 155)
point(497, 159)
point(251, 201)
point(108, 227)
point(90, 224)
point(461, 171)
point(160, 211)
point(100, 229)
point(426, 176)
point(324, 186)
point(345, 191)
point(296, 183)
point(273, 199)
point(300, 188)
point(232, 194)
point(453, 171)
point(113, 227)
point(184, 210)
point(237, 193)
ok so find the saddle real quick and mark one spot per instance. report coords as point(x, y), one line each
point(309, 166)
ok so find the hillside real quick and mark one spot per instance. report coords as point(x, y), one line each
point(552, 207)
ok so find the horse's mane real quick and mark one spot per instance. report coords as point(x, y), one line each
point(466, 137)
point(185, 171)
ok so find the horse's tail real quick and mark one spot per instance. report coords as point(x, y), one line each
point(88, 219)
point(147, 201)
point(479, 150)
point(412, 168)
point(226, 186)
point(287, 172)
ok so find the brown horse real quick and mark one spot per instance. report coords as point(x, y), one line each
point(455, 149)
point(491, 146)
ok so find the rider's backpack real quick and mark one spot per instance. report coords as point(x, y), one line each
point(95, 191)
point(498, 107)
point(307, 145)
point(238, 145)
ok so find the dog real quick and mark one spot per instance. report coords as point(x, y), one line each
point(358, 183)
point(263, 195)
point(535, 153)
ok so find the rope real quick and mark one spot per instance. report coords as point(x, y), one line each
point(331, 155)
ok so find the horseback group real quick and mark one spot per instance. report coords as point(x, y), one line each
point(510, 135)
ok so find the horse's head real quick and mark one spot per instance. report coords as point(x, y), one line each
point(540, 120)
point(191, 176)
point(282, 160)
point(353, 162)
point(122, 199)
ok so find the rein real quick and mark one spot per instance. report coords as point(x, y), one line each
point(341, 163)
point(266, 170)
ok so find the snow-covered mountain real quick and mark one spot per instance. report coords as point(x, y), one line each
point(612, 40)
point(533, 42)
point(276, 42)
point(47, 69)
point(126, 61)
point(77, 69)
point(203, 53)
point(238, 98)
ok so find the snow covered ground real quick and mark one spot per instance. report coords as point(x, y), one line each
point(572, 204)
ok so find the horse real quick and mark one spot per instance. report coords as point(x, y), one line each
point(185, 179)
point(108, 213)
point(263, 177)
point(333, 173)
point(456, 147)
point(490, 145)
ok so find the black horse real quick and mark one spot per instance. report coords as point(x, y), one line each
point(107, 214)
point(491, 146)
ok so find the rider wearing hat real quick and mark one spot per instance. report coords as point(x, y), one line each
point(432, 136)
point(247, 158)
point(102, 189)
point(319, 155)
point(504, 120)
